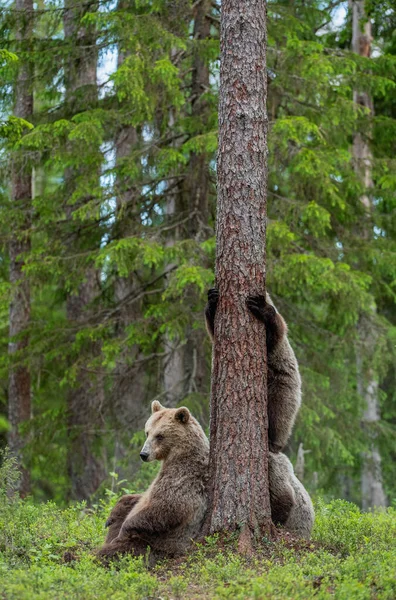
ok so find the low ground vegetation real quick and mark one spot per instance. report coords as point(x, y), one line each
point(48, 552)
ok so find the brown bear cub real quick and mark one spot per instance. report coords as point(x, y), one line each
point(170, 513)
point(284, 382)
point(119, 513)
point(291, 505)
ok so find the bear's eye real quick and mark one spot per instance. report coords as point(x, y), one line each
point(159, 437)
point(146, 433)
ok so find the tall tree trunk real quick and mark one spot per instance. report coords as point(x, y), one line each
point(173, 364)
point(129, 390)
point(129, 379)
point(196, 190)
point(85, 403)
point(19, 394)
point(371, 479)
point(238, 487)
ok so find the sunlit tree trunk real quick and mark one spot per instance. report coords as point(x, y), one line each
point(371, 478)
point(238, 489)
point(19, 393)
point(85, 402)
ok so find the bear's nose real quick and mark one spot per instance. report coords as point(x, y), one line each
point(144, 456)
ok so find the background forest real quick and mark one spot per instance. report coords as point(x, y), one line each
point(108, 201)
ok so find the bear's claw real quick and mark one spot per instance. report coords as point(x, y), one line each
point(259, 308)
point(213, 296)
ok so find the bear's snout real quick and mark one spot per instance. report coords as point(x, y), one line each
point(144, 456)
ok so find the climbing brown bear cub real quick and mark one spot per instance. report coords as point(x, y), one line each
point(284, 382)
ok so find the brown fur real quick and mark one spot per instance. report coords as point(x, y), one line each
point(284, 382)
point(169, 514)
point(291, 505)
point(119, 513)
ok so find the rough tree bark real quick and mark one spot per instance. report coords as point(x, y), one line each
point(371, 479)
point(238, 486)
point(19, 394)
point(85, 402)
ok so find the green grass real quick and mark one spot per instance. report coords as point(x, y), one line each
point(351, 556)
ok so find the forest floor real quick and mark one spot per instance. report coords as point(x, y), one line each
point(46, 552)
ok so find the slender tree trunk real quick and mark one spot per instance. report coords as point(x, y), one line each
point(196, 188)
point(299, 469)
point(173, 365)
point(196, 184)
point(129, 379)
point(129, 390)
point(371, 482)
point(19, 394)
point(238, 487)
point(186, 369)
point(85, 402)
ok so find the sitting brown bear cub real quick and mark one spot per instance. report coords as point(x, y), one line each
point(170, 513)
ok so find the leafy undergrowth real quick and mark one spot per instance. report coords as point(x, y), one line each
point(47, 552)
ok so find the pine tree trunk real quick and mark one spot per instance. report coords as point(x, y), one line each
point(372, 490)
point(371, 483)
point(238, 487)
point(173, 364)
point(196, 196)
point(19, 394)
point(129, 389)
point(186, 369)
point(129, 379)
point(85, 402)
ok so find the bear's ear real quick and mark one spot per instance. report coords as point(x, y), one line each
point(182, 415)
point(156, 406)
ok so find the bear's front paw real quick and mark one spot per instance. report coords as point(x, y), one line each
point(210, 310)
point(260, 309)
point(213, 296)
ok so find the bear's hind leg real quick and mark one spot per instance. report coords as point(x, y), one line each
point(282, 496)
